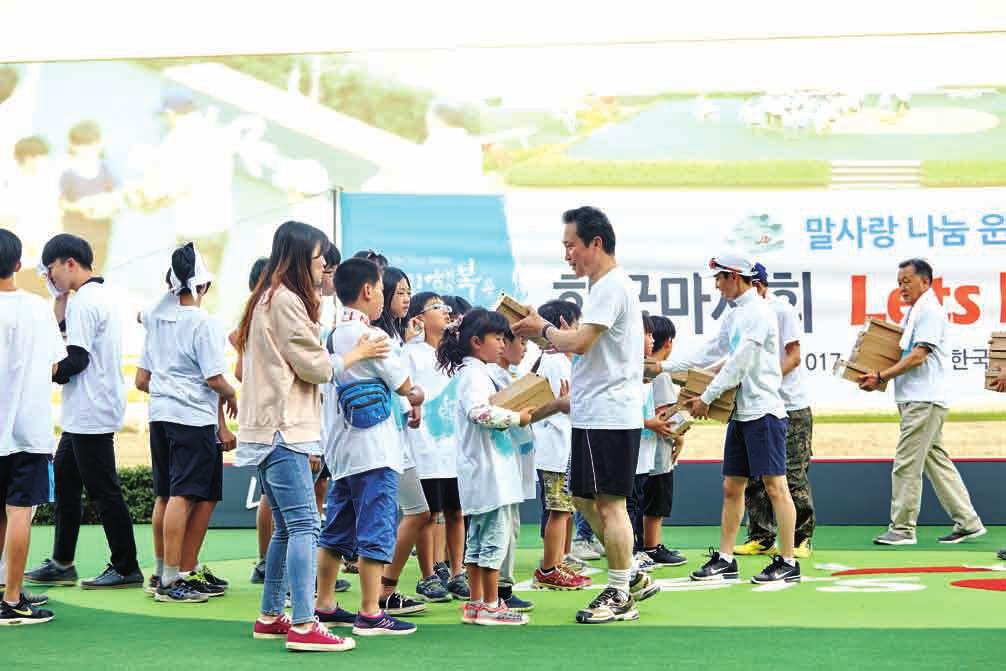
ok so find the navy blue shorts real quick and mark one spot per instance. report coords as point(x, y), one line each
point(25, 480)
point(755, 448)
point(362, 516)
point(186, 461)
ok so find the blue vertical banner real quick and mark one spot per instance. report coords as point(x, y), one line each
point(449, 244)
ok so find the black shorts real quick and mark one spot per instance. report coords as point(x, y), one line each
point(441, 494)
point(603, 461)
point(25, 480)
point(186, 461)
point(324, 474)
point(658, 495)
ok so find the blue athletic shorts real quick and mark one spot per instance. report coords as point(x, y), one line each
point(362, 515)
point(755, 448)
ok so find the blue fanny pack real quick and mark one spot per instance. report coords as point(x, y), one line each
point(365, 403)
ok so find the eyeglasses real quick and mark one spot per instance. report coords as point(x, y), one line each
point(443, 307)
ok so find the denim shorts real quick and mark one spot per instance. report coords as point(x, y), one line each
point(362, 515)
point(489, 537)
point(756, 448)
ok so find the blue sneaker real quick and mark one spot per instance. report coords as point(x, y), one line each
point(519, 605)
point(432, 590)
point(340, 617)
point(342, 585)
point(458, 587)
point(443, 572)
point(381, 625)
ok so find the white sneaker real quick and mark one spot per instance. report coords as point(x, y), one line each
point(598, 547)
point(584, 551)
point(502, 616)
point(644, 562)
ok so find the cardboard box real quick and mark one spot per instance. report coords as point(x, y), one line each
point(698, 380)
point(680, 419)
point(513, 311)
point(848, 370)
point(990, 378)
point(997, 343)
point(883, 329)
point(530, 391)
point(871, 360)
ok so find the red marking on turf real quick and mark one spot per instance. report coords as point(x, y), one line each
point(910, 569)
point(993, 584)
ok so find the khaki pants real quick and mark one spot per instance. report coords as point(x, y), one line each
point(920, 449)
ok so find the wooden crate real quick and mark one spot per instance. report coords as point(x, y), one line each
point(530, 391)
point(848, 370)
point(513, 311)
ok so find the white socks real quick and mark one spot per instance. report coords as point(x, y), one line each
point(619, 579)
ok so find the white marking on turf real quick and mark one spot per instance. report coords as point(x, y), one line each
point(993, 567)
point(833, 567)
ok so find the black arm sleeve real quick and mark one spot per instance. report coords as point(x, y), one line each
point(75, 362)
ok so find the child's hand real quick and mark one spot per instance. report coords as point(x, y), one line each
point(414, 328)
point(377, 348)
point(661, 427)
point(525, 415)
point(228, 441)
point(415, 416)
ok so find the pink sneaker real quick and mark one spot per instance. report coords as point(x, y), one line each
point(275, 629)
point(317, 639)
point(501, 616)
point(470, 613)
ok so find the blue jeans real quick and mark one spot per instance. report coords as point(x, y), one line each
point(289, 487)
point(583, 530)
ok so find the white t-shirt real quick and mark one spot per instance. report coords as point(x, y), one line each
point(793, 392)
point(94, 401)
point(433, 444)
point(665, 392)
point(553, 435)
point(183, 348)
point(349, 450)
point(30, 343)
point(752, 329)
point(522, 436)
point(926, 383)
point(648, 439)
point(606, 386)
point(489, 475)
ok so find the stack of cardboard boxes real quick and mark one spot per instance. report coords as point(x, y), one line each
point(877, 347)
point(997, 359)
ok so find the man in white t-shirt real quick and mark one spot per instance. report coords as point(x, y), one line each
point(605, 398)
point(920, 384)
point(761, 526)
point(94, 407)
point(755, 444)
point(30, 348)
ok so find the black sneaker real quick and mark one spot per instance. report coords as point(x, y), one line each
point(342, 585)
point(661, 556)
point(442, 571)
point(153, 584)
point(961, 536)
point(517, 604)
point(112, 579)
point(778, 571)
point(339, 617)
point(258, 573)
point(207, 575)
point(399, 604)
point(23, 613)
point(179, 591)
point(610, 605)
point(33, 599)
point(196, 582)
point(717, 568)
point(50, 574)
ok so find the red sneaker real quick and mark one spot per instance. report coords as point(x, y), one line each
point(557, 579)
point(470, 613)
point(317, 639)
point(275, 629)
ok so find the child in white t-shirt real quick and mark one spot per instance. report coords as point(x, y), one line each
point(658, 492)
point(552, 445)
point(489, 475)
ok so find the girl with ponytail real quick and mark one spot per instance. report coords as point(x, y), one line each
point(182, 368)
point(489, 476)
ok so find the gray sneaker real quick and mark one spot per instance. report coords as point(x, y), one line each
point(894, 538)
point(258, 573)
point(458, 587)
point(50, 574)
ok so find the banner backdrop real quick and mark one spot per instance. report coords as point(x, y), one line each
point(832, 254)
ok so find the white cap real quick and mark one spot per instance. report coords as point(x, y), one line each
point(731, 261)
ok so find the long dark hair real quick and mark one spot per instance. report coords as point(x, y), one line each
point(289, 266)
point(457, 342)
point(393, 327)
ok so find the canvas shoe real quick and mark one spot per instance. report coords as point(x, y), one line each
point(317, 639)
point(278, 628)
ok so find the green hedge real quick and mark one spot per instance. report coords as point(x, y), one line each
point(558, 171)
point(137, 487)
point(963, 173)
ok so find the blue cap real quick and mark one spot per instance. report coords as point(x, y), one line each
point(759, 274)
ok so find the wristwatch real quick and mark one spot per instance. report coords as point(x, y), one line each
point(544, 331)
point(880, 378)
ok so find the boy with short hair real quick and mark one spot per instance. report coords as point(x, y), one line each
point(31, 349)
point(658, 492)
point(94, 407)
point(365, 461)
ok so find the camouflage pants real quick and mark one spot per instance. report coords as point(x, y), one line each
point(761, 522)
